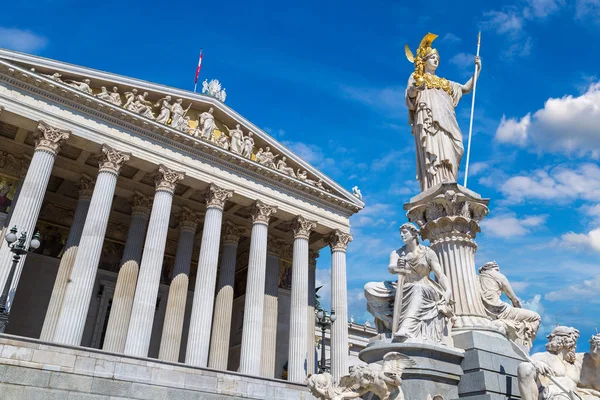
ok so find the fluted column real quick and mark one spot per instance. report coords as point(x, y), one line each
point(254, 301)
point(71, 322)
point(146, 290)
point(27, 209)
point(299, 301)
point(86, 185)
point(221, 329)
point(269, 338)
point(338, 241)
point(170, 342)
point(120, 310)
point(206, 277)
point(312, 271)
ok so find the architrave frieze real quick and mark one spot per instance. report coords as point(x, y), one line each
point(206, 151)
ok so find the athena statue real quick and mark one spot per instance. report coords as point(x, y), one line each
point(431, 101)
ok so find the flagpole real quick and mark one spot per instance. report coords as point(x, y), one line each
point(198, 71)
point(472, 111)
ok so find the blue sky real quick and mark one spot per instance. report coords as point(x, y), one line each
point(328, 78)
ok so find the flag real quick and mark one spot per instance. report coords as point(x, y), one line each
point(198, 68)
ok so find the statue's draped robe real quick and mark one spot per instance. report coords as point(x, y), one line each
point(438, 139)
point(521, 324)
point(422, 300)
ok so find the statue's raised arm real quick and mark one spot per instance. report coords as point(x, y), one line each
point(431, 102)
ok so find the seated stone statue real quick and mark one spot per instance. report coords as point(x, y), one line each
point(425, 309)
point(521, 325)
point(560, 373)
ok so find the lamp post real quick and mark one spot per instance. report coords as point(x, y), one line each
point(324, 321)
point(18, 248)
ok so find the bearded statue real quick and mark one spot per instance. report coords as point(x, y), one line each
point(560, 372)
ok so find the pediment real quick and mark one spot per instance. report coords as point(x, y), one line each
point(233, 138)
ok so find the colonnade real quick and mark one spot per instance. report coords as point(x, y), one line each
point(132, 314)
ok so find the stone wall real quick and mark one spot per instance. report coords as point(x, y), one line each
point(32, 369)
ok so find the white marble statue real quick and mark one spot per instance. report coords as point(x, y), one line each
point(207, 125)
point(115, 97)
point(144, 106)
point(560, 372)
point(431, 101)
point(521, 325)
point(282, 166)
point(356, 192)
point(177, 114)
point(104, 95)
point(165, 110)
point(83, 86)
point(223, 141)
point(319, 184)
point(383, 380)
point(267, 158)
point(425, 309)
point(213, 88)
point(130, 101)
point(248, 145)
point(237, 139)
point(55, 77)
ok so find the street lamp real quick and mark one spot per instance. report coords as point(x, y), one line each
point(18, 248)
point(324, 320)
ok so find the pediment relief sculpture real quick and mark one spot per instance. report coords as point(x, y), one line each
point(198, 123)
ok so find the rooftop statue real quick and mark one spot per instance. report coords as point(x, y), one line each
point(560, 373)
point(431, 101)
point(421, 311)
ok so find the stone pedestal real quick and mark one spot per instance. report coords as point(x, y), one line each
point(437, 369)
point(449, 215)
point(490, 366)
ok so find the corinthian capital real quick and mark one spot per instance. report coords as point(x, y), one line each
point(86, 187)
point(232, 232)
point(48, 138)
point(338, 240)
point(141, 204)
point(188, 219)
point(302, 227)
point(111, 160)
point(216, 196)
point(166, 179)
point(261, 212)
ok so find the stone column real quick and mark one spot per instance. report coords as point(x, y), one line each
point(338, 241)
point(269, 338)
point(299, 301)
point(312, 271)
point(146, 290)
point(206, 277)
point(86, 185)
point(71, 322)
point(449, 216)
point(120, 310)
point(26, 210)
point(170, 342)
point(254, 302)
point(221, 329)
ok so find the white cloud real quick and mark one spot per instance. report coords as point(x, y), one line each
point(587, 291)
point(519, 48)
point(374, 215)
point(592, 211)
point(451, 38)
point(21, 40)
point(542, 8)
point(585, 9)
point(513, 131)
point(558, 184)
point(503, 22)
point(477, 167)
point(389, 100)
point(464, 62)
point(585, 241)
point(507, 226)
point(565, 125)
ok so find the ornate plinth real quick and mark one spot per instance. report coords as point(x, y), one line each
point(437, 369)
point(449, 215)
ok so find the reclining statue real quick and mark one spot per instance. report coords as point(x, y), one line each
point(520, 324)
point(560, 372)
point(383, 380)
